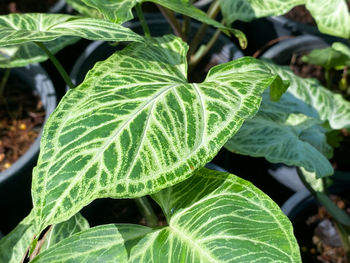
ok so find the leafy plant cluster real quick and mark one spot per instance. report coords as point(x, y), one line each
point(135, 127)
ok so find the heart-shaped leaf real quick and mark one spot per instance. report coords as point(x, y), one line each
point(332, 16)
point(135, 126)
point(212, 217)
point(247, 10)
point(23, 28)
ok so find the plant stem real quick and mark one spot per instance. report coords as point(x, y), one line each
point(4, 81)
point(174, 23)
point(142, 20)
point(147, 211)
point(328, 78)
point(57, 64)
point(213, 11)
point(198, 56)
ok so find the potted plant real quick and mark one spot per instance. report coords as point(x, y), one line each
point(135, 127)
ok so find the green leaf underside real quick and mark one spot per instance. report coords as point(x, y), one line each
point(340, 47)
point(281, 137)
point(23, 28)
point(28, 53)
point(290, 131)
point(307, 96)
point(332, 16)
point(247, 10)
point(135, 126)
point(213, 217)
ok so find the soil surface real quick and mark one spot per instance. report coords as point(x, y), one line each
point(22, 115)
point(318, 237)
point(25, 6)
point(300, 14)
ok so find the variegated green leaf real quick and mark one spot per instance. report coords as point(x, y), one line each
point(28, 53)
point(135, 126)
point(311, 99)
point(332, 16)
point(84, 9)
point(22, 28)
point(120, 11)
point(247, 10)
point(280, 137)
point(63, 230)
point(98, 244)
point(212, 217)
point(13, 247)
point(117, 11)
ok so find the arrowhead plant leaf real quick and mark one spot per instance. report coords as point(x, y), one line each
point(136, 126)
point(23, 28)
point(247, 10)
point(332, 16)
point(226, 219)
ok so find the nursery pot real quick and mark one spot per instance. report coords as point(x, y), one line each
point(15, 182)
point(302, 205)
point(223, 51)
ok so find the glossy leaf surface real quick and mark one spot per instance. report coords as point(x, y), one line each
point(247, 10)
point(332, 16)
point(84, 9)
point(135, 126)
point(22, 28)
point(212, 217)
point(98, 244)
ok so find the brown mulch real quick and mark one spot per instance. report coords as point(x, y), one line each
point(327, 245)
point(22, 115)
point(25, 6)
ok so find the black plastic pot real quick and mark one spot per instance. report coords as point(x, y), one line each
point(302, 205)
point(282, 52)
point(222, 52)
point(15, 182)
point(285, 26)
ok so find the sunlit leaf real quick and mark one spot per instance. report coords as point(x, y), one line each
point(23, 28)
point(135, 126)
point(332, 16)
point(212, 217)
point(247, 10)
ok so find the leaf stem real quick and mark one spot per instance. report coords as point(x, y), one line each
point(146, 210)
point(142, 20)
point(344, 236)
point(174, 23)
point(198, 56)
point(57, 64)
point(4, 81)
point(213, 11)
